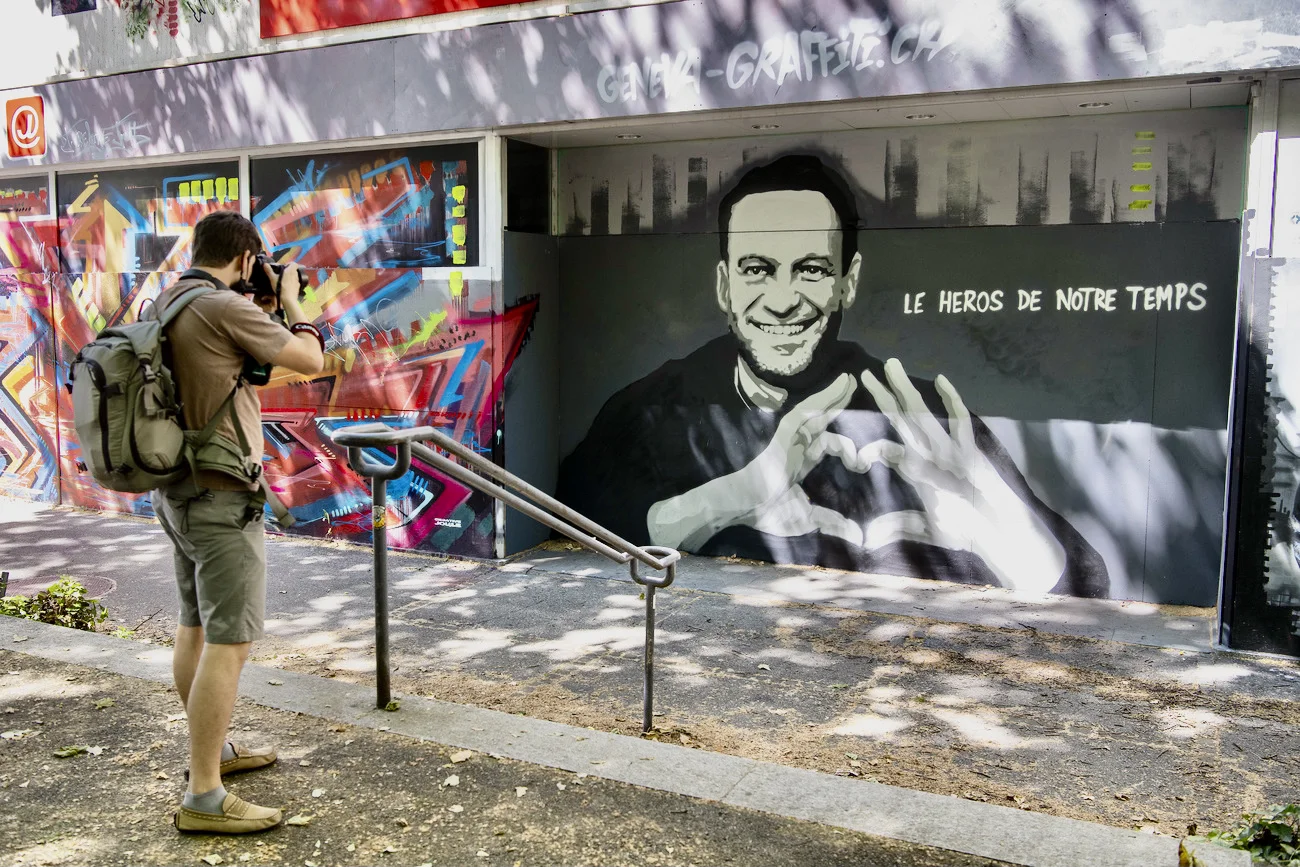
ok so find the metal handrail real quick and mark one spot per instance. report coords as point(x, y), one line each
point(523, 497)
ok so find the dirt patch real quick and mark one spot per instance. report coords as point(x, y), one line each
point(364, 797)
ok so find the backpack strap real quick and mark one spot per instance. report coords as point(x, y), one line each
point(181, 301)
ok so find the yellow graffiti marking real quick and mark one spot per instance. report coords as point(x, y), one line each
point(459, 257)
point(80, 206)
point(1146, 135)
point(1139, 188)
point(457, 280)
point(1145, 149)
point(1142, 167)
point(426, 330)
point(1139, 205)
point(458, 235)
point(458, 211)
point(459, 192)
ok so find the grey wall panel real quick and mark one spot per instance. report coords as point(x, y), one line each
point(532, 411)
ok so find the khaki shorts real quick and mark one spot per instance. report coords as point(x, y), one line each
point(219, 543)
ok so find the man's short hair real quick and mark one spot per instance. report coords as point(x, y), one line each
point(796, 172)
point(223, 236)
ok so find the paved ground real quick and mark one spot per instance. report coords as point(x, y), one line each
point(1120, 714)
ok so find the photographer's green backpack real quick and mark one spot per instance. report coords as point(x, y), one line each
point(125, 404)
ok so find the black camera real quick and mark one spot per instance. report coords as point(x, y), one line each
point(263, 289)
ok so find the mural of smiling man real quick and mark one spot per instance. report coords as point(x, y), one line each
point(779, 441)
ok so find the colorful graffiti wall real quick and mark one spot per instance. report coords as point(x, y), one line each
point(287, 17)
point(403, 345)
point(411, 338)
point(28, 414)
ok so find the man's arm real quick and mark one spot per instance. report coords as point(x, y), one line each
point(303, 353)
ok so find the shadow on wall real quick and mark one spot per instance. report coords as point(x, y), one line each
point(560, 69)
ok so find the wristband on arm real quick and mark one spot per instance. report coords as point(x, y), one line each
point(308, 328)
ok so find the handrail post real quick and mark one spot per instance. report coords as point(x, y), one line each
point(524, 497)
point(648, 663)
point(380, 475)
point(379, 498)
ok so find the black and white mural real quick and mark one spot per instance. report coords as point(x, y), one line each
point(995, 354)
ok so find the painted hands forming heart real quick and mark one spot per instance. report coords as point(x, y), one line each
point(968, 503)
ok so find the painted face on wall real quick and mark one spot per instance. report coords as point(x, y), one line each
point(784, 277)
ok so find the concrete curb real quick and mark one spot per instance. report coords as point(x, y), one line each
point(985, 830)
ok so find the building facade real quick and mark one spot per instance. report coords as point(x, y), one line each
point(988, 292)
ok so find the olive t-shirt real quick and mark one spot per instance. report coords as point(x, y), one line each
point(209, 341)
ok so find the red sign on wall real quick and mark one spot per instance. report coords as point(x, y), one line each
point(25, 124)
point(287, 17)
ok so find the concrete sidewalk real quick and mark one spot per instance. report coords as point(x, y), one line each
point(1099, 711)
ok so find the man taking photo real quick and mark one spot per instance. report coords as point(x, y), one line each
point(214, 516)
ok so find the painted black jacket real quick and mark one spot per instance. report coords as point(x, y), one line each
point(686, 424)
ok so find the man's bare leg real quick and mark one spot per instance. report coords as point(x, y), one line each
point(185, 659)
point(211, 702)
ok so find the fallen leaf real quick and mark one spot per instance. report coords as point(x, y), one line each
point(18, 734)
point(850, 755)
point(393, 705)
point(301, 820)
point(24, 785)
point(69, 752)
point(456, 808)
point(462, 756)
point(309, 863)
point(352, 847)
point(520, 791)
point(276, 682)
point(316, 793)
point(103, 703)
point(763, 666)
point(453, 780)
point(214, 860)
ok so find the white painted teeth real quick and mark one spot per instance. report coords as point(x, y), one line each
point(783, 330)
